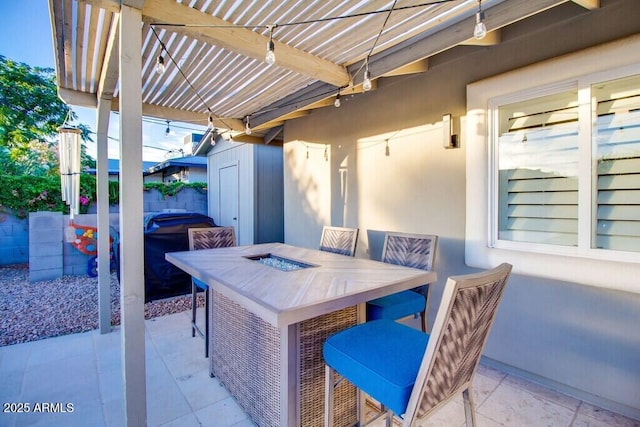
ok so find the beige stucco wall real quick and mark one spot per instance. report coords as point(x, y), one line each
point(420, 188)
point(361, 186)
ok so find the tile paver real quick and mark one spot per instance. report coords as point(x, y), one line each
point(85, 370)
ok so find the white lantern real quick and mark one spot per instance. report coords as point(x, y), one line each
point(69, 152)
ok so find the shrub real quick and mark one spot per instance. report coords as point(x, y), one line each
point(23, 193)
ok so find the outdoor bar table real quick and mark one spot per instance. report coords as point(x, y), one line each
point(267, 326)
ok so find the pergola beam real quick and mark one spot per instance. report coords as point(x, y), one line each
point(272, 134)
point(424, 46)
point(83, 99)
point(112, 6)
point(75, 97)
point(413, 68)
point(243, 41)
point(58, 48)
point(110, 73)
point(177, 115)
point(588, 4)
point(412, 50)
point(90, 100)
point(491, 39)
point(316, 95)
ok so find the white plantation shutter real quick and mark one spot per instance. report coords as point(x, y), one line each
point(617, 224)
point(538, 184)
point(540, 142)
point(540, 208)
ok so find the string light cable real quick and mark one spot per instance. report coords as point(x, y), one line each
point(270, 56)
point(310, 21)
point(366, 81)
point(316, 147)
point(270, 46)
point(186, 79)
point(321, 95)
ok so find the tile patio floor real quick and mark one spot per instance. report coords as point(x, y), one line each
point(85, 370)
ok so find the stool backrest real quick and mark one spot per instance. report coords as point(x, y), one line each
point(211, 237)
point(339, 240)
point(410, 250)
point(462, 325)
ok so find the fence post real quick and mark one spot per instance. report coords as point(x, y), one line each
point(45, 246)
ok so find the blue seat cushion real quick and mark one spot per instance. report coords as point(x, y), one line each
point(381, 358)
point(396, 306)
point(200, 284)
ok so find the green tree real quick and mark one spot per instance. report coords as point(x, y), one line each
point(30, 114)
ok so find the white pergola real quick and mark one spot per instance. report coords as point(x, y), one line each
point(214, 51)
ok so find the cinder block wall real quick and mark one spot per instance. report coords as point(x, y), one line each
point(14, 239)
point(188, 199)
point(41, 242)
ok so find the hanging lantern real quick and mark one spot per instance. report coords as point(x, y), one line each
point(69, 153)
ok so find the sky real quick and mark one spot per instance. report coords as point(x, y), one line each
point(25, 36)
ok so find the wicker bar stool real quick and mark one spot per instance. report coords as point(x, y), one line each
point(411, 373)
point(409, 250)
point(206, 238)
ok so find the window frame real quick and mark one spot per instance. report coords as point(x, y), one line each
point(493, 108)
point(579, 264)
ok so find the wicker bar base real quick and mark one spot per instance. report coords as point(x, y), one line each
point(313, 333)
point(245, 357)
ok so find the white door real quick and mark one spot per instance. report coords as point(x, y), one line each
point(228, 193)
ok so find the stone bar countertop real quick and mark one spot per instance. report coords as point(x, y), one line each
point(328, 282)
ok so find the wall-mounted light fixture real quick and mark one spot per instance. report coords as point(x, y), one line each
point(450, 140)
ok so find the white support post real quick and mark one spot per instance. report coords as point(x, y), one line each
point(131, 218)
point(102, 175)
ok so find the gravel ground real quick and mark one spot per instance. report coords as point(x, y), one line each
point(34, 311)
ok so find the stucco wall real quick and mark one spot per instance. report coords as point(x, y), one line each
point(582, 340)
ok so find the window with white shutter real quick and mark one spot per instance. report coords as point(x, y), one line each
point(553, 168)
point(538, 170)
point(540, 143)
point(617, 137)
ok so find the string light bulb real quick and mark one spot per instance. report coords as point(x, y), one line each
point(366, 83)
point(337, 103)
point(386, 148)
point(247, 126)
point(210, 124)
point(167, 131)
point(480, 30)
point(160, 67)
point(270, 58)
